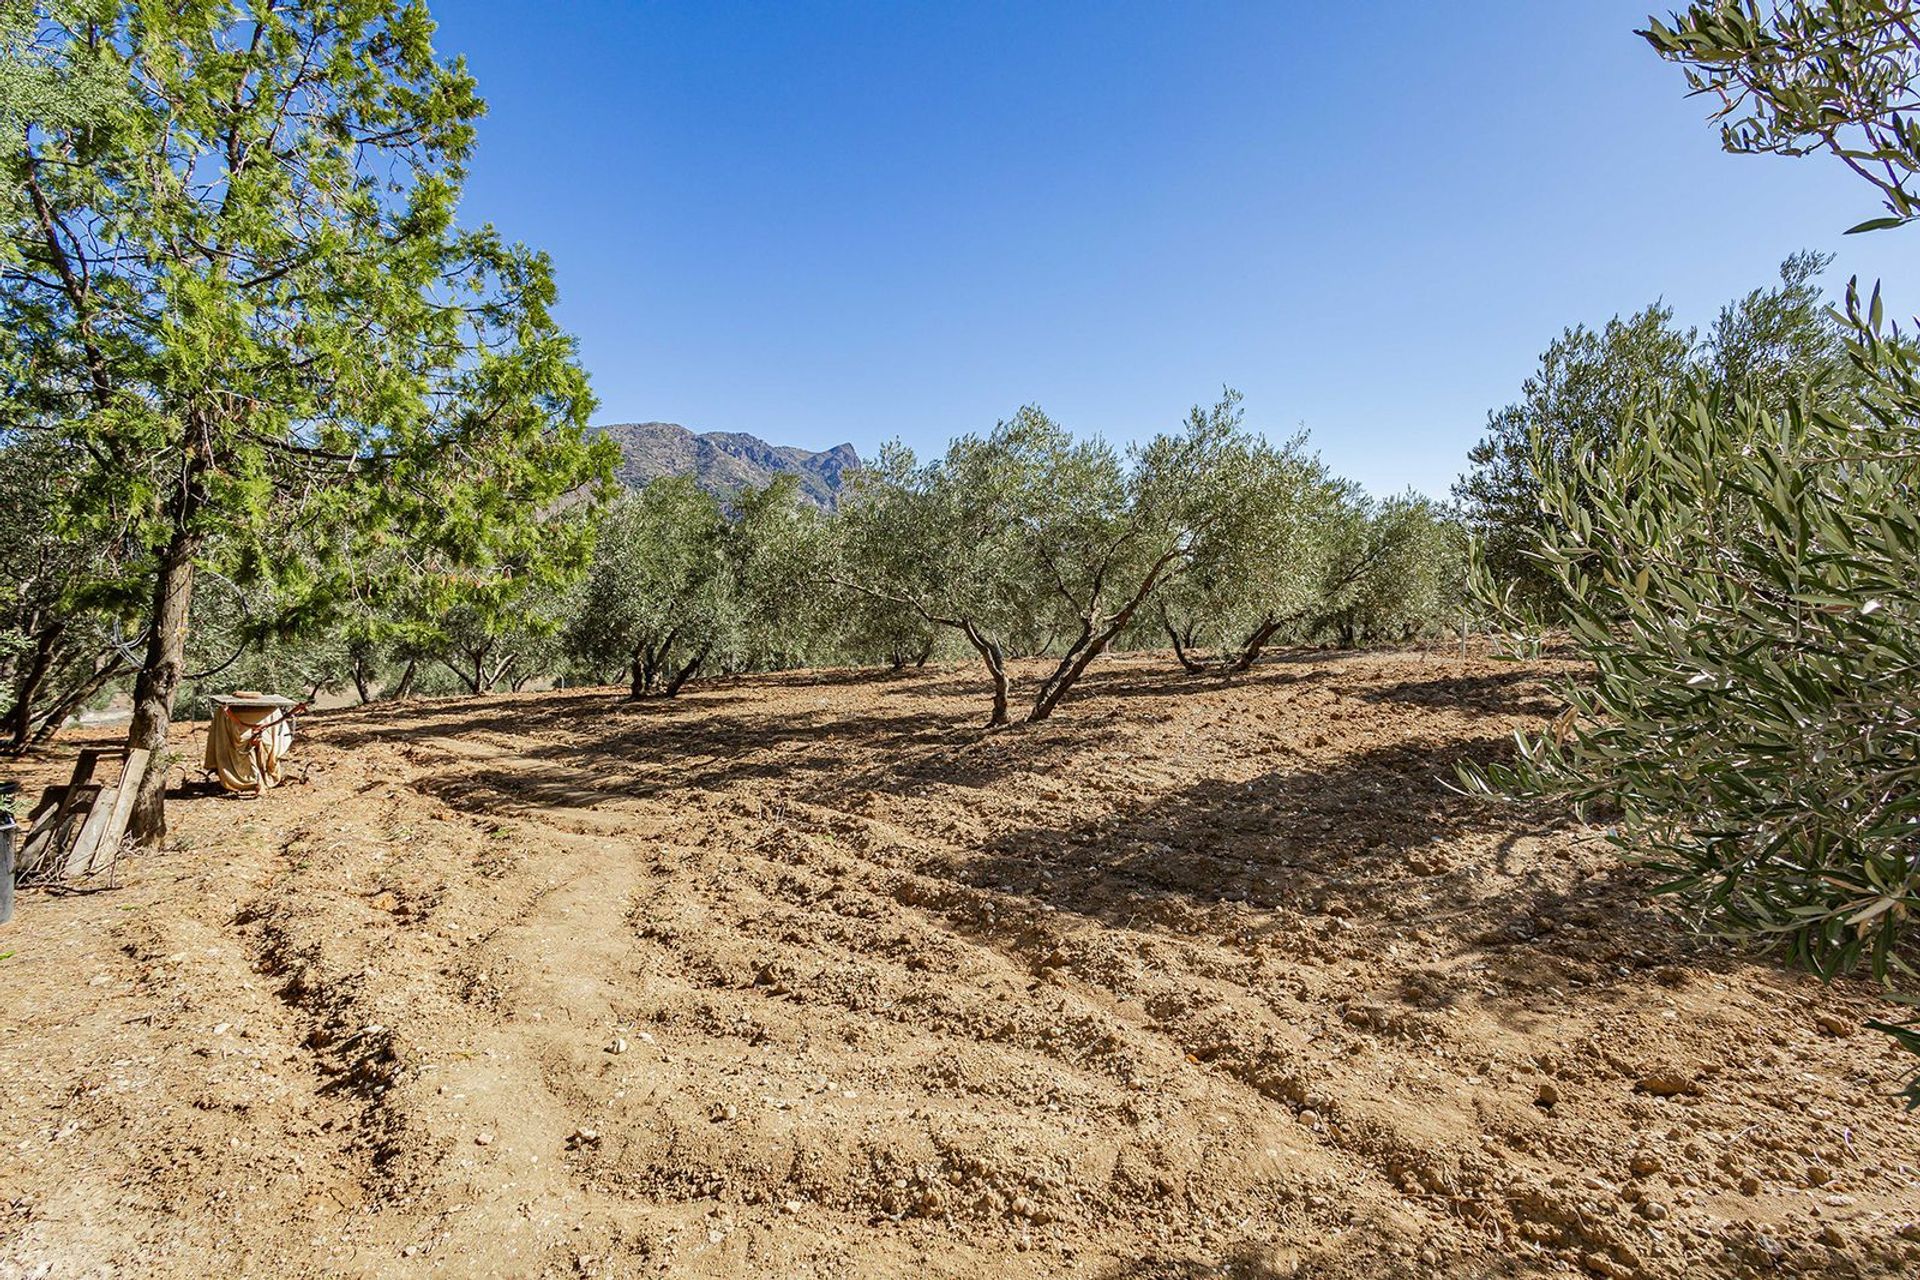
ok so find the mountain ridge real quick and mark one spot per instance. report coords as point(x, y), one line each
point(723, 462)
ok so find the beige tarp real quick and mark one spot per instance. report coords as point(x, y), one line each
point(249, 736)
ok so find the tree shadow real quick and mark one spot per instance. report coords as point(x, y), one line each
point(1345, 860)
point(708, 743)
point(1517, 691)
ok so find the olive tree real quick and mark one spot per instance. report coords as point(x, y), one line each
point(1746, 589)
point(1592, 385)
point(775, 553)
point(1027, 532)
point(1395, 570)
point(939, 539)
point(657, 600)
point(1259, 573)
point(1742, 573)
point(1804, 76)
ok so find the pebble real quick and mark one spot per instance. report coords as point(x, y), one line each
point(1546, 1093)
point(482, 1139)
point(1665, 1084)
point(1644, 1164)
point(618, 1045)
point(1834, 1025)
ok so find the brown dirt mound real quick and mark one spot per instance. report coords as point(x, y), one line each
point(805, 975)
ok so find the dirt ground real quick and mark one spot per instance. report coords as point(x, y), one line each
point(805, 975)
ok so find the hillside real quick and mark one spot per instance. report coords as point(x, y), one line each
point(724, 461)
point(804, 975)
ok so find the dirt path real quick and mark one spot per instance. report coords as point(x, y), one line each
point(806, 976)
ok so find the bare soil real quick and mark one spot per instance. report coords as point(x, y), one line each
point(807, 975)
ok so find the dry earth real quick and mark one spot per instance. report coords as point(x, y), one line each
point(805, 975)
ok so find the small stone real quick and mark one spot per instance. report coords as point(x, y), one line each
point(482, 1139)
point(1652, 1210)
point(1644, 1164)
point(791, 1206)
point(1818, 1175)
point(1601, 1265)
point(1749, 1185)
point(1834, 1025)
point(617, 1045)
point(1665, 1084)
point(584, 1138)
point(721, 1112)
point(1546, 1094)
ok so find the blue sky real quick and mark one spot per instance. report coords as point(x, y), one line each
point(820, 222)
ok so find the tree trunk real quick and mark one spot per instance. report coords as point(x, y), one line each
point(27, 686)
point(159, 678)
point(1181, 644)
point(404, 689)
point(991, 653)
point(637, 689)
point(685, 673)
point(360, 683)
point(926, 651)
point(1256, 643)
point(1091, 644)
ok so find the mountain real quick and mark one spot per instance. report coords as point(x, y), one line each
point(723, 461)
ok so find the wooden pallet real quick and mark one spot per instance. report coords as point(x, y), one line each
point(77, 829)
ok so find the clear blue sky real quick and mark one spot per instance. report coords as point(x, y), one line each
point(823, 222)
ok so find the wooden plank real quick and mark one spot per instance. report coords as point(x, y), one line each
point(79, 859)
point(40, 823)
point(54, 834)
point(9, 833)
point(49, 818)
point(93, 805)
point(83, 765)
point(131, 776)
